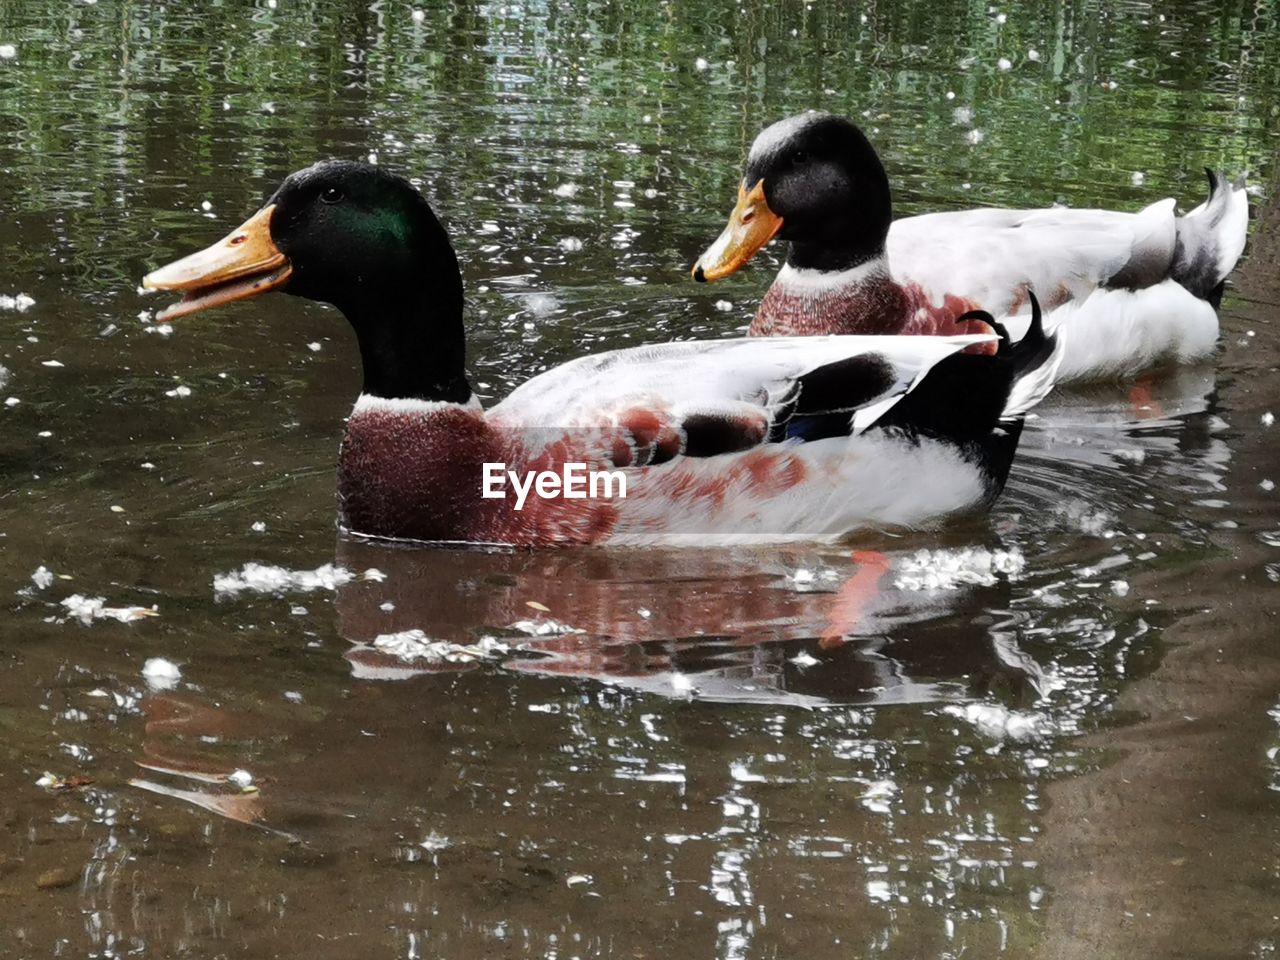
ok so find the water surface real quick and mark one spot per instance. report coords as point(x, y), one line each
point(752, 753)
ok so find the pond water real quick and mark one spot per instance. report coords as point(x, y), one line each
point(737, 753)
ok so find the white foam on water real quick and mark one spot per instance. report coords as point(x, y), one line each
point(161, 674)
point(997, 722)
point(414, 645)
point(952, 569)
point(88, 609)
point(19, 302)
point(42, 578)
point(266, 578)
point(541, 304)
point(544, 627)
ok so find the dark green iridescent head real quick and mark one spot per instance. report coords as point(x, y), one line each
point(367, 241)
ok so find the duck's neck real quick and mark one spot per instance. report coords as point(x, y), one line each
point(805, 301)
point(412, 343)
point(861, 250)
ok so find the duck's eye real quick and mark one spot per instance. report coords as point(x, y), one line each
point(798, 158)
point(332, 195)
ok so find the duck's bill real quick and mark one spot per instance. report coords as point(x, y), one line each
point(243, 264)
point(751, 226)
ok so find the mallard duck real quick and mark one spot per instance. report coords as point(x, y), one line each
point(748, 439)
point(1131, 290)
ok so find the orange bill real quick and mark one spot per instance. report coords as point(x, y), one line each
point(242, 264)
point(751, 225)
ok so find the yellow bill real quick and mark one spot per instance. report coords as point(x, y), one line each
point(243, 264)
point(751, 225)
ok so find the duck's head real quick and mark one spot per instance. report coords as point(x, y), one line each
point(362, 239)
point(813, 179)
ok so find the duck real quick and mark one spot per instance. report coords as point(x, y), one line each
point(1134, 291)
point(701, 442)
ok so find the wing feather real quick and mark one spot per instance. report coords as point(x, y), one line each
point(703, 398)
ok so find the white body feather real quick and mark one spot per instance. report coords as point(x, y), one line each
point(867, 481)
point(702, 375)
point(864, 480)
point(991, 256)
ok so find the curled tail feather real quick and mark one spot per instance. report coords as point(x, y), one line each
point(1211, 238)
point(1034, 359)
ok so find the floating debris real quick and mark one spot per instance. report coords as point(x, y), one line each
point(43, 577)
point(1268, 418)
point(975, 136)
point(566, 190)
point(418, 16)
point(701, 65)
point(20, 302)
point(88, 609)
point(12, 402)
point(4, 375)
point(543, 627)
point(258, 526)
point(161, 674)
point(804, 659)
point(178, 391)
point(1033, 55)
point(265, 578)
point(1004, 63)
point(242, 780)
point(56, 784)
point(414, 645)
point(56, 878)
point(52, 363)
point(949, 569)
point(1120, 588)
point(1137, 178)
point(569, 244)
point(8, 51)
point(434, 842)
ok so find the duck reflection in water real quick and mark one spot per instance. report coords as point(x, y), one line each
point(726, 626)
